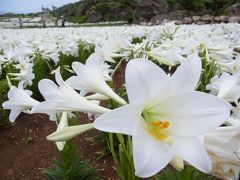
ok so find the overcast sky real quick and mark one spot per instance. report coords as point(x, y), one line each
point(28, 6)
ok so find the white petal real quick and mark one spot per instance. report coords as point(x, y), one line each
point(191, 150)
point(63, 122)
point(74, 82)
point(192, 113)
point(13, 115)
point(78, 67)
point(58, 77)
point(96, 96)
point(145, 81)
point(60, 145)
point(69, 132)
point(48, 88)
point(150, 156)
point(187, 75)
point(120, 120)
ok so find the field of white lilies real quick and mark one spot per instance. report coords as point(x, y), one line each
point(178, 106)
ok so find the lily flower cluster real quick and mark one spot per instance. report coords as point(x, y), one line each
point(169, 119)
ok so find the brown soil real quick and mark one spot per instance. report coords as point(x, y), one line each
point(25, 152)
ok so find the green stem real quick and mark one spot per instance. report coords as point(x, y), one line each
point(116, 68)
point(111, 148)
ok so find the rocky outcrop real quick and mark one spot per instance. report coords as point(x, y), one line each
point(187, 20)
point(200, 20)
point(207, 18)
point(149, 8)
point(234, 19)
point(220, 19)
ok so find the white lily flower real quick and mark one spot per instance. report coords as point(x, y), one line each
point(106, 55)
point(165, 116)
point(63, 98)
point(220, 51)
point(90, 79)
point(232, 66)
point(26, 75)
point(69, 132)
point(19, 101)
point(223, 146)
point(226, 86)
point(49, 51)
point(117, 44)
point(168, 57)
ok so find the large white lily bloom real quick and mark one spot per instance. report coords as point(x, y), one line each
point(63, 98)
point(90, 79)
point(226, 86)
point(165, 115)
point(223, 146)
point(19, 101)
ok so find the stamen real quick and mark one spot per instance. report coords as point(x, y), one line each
point(165, 125)
point(160, 124)
point(158, 129)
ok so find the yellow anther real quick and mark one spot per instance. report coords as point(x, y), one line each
point(165, 124)
point(157, 123)
point(161, 124)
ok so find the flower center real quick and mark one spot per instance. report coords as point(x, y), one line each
point(158, 129)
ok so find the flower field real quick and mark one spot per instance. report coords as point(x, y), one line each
point(173, 112)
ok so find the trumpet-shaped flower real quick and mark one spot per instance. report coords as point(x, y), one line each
point(226, 86)
point(63, 98)
point(19, 101)
point(166, 56)
point(90, 79)
point(165, 116)
point(106, 55)
point(25, 75)
point(69, 132)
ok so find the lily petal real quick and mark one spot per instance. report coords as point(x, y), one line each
point(187, 75)
point(120, 120)
point(150, 156)
point(69, 132)
point(143, 73)
point(191, 150)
